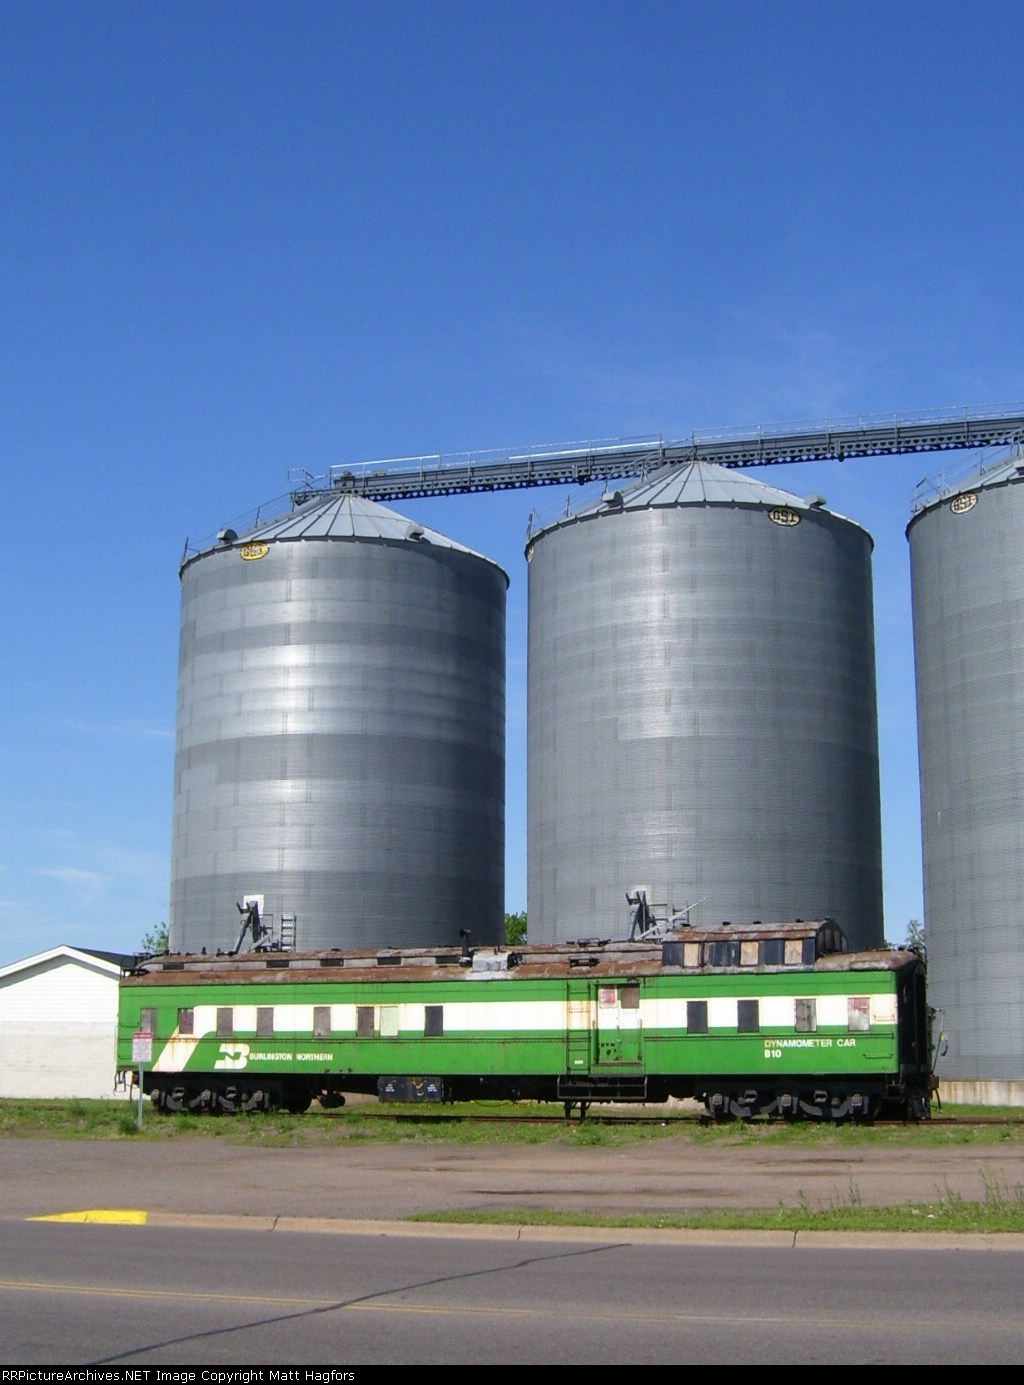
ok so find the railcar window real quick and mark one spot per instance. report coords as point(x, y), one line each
point(724, 954)
point(748, 954)
point(147, 1019)
point(680, 954)
point(321, 1021)
point(697, 1016)
point(858, 1013)
point(629, 998)
point(364, 1021)
point(433, 1021)
point(389, 1021)
point(265, 1021)
point(225, 1021)
point(806, 1016)
point(773, 952)
point(748, 1019)
point(186, 1021)
point(834, 940)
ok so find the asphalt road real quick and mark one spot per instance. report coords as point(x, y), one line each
point(196, 1251)
point(142, 1296)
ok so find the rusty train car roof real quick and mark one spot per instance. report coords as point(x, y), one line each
point(593, 957)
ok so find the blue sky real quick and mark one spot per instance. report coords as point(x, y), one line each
point(242, 239)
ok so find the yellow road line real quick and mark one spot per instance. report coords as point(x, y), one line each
point(601, 1316)
point(179, 1295)
point(107, 1216)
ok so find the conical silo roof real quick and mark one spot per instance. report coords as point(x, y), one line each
point(339, 517)
point(697, 484)
point(946, 487)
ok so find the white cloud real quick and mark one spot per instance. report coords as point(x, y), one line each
point(88, 883)
point(125, 730)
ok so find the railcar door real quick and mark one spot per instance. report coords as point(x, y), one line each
point(619, 1032)
point(579, 1028)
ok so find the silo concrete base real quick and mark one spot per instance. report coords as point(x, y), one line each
point(982, 1092)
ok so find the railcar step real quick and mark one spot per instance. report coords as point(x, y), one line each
point(602, 1087)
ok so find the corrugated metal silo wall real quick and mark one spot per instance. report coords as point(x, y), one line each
point(702, 721)
point(341, 745)
point(967, 573)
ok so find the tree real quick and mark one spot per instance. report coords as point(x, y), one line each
point(155, 941)
point(916, 939)
point(515, 929)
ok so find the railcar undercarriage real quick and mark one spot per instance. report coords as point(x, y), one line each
point(854, 1100)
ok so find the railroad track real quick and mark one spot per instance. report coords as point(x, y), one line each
point(675, 1118)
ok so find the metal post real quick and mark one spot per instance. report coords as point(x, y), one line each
point(140, 1095)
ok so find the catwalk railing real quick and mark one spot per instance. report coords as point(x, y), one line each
point(461, 474)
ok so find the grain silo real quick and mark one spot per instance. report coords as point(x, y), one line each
point(967, 574)
point(340, 749)
point(702, 710)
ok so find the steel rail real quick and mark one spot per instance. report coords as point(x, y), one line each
point(448, 1116)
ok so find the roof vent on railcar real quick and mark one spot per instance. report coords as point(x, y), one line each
point(831, 938)
point(487, 963)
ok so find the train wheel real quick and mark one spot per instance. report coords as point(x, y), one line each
point(225, 1101)
point(167, 1101)
point(817, 1107)
point(868, 1111)
point(839, 1109)
point(784, 1105)
point(743, 1105)
point(717, 1106)
point(296, 1103)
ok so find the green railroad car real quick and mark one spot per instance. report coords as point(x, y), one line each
point(751, 1020)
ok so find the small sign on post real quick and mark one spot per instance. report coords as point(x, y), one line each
point(142, 1053)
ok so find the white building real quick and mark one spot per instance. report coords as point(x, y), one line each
point(58, 1024)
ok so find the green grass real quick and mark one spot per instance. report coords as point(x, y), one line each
point(1001, 1211)
point(369, 1122)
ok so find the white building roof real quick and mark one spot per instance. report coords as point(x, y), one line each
point(109, 962)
